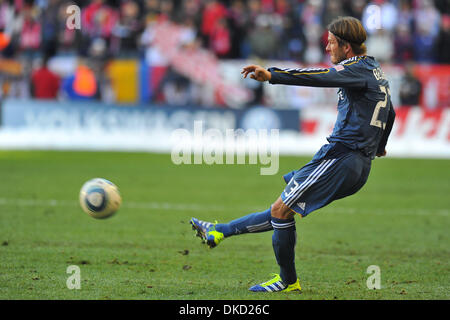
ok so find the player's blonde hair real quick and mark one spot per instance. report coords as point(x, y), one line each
point(349, 30)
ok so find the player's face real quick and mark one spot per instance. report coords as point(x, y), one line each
point(336, 52)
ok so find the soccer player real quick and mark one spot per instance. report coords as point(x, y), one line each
point(341, 167)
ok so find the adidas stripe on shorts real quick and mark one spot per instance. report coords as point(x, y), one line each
point(327, 177)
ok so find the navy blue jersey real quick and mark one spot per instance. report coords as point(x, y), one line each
point(365, 111)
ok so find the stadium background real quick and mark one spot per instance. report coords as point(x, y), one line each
point(188, 54)
point(137, 70)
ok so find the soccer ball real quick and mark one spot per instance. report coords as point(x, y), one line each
point(100, 198)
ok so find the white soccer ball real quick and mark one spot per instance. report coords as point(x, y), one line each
point(100, 198)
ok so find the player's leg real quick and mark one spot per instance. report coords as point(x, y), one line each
point(294, 199)
point(283, 242)
point(251, 223)
point(312, 187)
point(213, 234)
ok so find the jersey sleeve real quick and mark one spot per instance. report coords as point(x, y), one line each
point(340, 76)
point(387, 130)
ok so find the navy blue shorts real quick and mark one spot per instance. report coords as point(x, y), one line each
point(333, 173)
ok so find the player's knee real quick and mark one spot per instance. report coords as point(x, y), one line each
point(280, 211)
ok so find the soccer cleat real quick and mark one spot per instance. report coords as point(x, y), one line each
point(276, 285)
point(207, 231)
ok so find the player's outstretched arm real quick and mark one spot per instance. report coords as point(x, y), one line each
point(257, 73)
point(341, 76)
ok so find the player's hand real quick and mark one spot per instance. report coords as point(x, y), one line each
point(382, 154)
point(257, 73)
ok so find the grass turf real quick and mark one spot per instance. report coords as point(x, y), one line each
point(399, 221)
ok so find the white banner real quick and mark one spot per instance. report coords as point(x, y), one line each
point(416, 133)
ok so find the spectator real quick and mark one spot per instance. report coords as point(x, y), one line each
point(403, 44)
point(356, 8)
point(189, 33)
point(168, 10)
point(254, 10)
point(6, 13)
point(5, 40)
point(427, 17)
point(98, 21)
point(239, 21)
point(267, 6)
point(82, 85)
point(443, 41)
point(311, 13)
point(424, 45)
point(50, 27)
point(126, 31)
point(219, 39)
point(191, 9)
point(176, 88)
point(312, 20)
point(262, 39)
point(30, 35)
point(427, 29)
point(44, 82)
point(151, 8)
point(381, 46)
point(405, 15)
point(314, 52)
point(282, 7)
point(212, 13)
point(410, 88)
point(153, 56)
point(333, 10)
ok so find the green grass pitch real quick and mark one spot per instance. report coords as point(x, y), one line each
point(399, 221)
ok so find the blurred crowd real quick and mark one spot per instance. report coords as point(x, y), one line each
point(295, 30)
point(399, 30)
